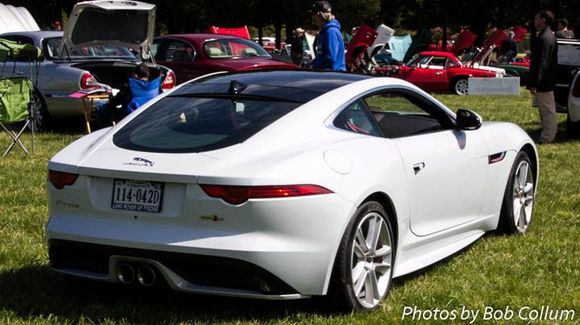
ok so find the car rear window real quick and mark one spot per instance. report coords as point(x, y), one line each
point(186, 124)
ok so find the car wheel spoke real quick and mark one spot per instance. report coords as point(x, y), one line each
point(383, 268)
point(361, 240)
point(359, 284)
point(374, 234)
point(383, 251)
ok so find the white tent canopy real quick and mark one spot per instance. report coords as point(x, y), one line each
point(16, 19)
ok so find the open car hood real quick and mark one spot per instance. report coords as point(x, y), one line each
point(110, 22)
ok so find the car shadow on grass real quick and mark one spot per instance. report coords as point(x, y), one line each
point(37, 292)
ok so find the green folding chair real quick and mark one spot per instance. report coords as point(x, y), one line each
point(14, 110)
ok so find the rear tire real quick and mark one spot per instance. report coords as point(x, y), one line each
point(363, 269)
point(38, 110)
point(518, 201)
point(461, 86)
point(572, 128)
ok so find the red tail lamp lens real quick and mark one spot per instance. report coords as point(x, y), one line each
point(88, 81)
point(240, 194)
point(61, 179)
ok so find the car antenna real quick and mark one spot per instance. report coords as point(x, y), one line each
point(236, 87)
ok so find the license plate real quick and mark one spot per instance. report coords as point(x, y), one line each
point(139, 196)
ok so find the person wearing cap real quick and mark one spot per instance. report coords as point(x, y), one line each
point(297, 48)
point(330, 44)
point(508, 48)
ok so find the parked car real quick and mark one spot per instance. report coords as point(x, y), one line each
point(442, 71)
point(482, 59)
point(193, 55)
point(83, 56)
point(573, 120)
point(285, 185)
point(568, 65)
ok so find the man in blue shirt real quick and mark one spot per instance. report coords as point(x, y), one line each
point(330, 44)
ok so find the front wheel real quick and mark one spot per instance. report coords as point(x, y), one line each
point(518, 201)
point(365, 259)
point(461, 86)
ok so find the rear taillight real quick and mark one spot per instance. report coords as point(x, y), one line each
point(169, 81)
point(240, 194)
point(88, 81)
point(61, 179)
point(576, 89)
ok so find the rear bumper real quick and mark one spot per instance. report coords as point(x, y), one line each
point(293, 240)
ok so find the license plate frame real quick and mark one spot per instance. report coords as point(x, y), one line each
point(138, 196)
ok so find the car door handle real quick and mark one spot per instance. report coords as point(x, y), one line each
point(418, 167)
point(438, 73)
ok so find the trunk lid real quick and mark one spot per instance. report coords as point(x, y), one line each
point(123, 23)
point(110, 161)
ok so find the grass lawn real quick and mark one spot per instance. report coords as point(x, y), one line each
point(540, 269)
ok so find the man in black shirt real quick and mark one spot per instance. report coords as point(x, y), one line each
point(542, 77)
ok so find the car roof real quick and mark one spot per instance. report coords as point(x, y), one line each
point(289, 85)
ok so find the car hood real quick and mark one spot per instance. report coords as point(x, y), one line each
point(113, 22)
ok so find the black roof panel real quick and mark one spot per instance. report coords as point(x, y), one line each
point(292, 85)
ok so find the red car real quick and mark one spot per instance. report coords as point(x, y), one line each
point(193, 55)
point(441, 71)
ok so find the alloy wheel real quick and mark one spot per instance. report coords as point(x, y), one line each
point(371, 260)
point(523, 196)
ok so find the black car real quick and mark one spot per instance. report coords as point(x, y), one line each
point(568, 65)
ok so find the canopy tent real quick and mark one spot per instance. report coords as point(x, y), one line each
point(242, 32)
point(16, 19)
point(18, 52)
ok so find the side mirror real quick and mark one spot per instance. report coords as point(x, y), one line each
point(467, 120)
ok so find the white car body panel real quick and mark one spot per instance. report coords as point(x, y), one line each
point(106, 30)
point(296, 239)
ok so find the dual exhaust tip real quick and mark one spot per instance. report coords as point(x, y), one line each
point(143, 273)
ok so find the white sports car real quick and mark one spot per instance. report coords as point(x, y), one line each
point(285, 185)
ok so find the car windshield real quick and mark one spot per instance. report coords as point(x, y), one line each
point(233, 48)
point(185, 124)
point(52, 47)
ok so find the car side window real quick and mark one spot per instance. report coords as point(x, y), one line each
point(177, 51)
point(402, 114)
point(357, 118)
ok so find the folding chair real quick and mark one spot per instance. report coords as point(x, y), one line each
point(14, 110)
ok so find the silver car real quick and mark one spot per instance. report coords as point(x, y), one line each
point(102, 43)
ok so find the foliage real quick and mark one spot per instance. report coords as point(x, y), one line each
point(539, 269)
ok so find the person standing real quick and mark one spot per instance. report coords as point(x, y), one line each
point(297, 45)
point(542, 77)
point(330, 44)
point(563, 31)
point(508, 48)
